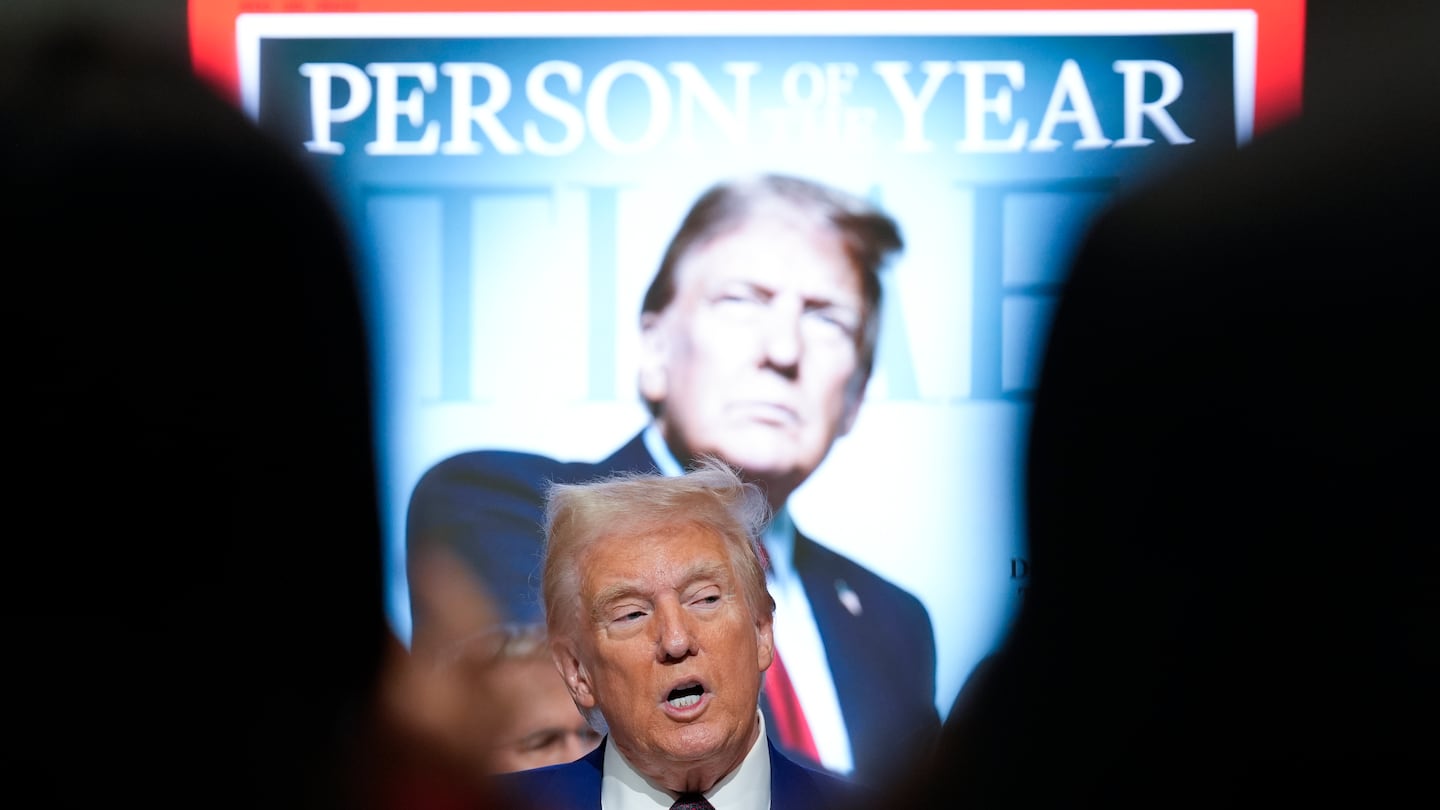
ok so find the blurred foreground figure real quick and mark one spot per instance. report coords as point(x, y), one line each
point(1230, 497)
point(195, 606)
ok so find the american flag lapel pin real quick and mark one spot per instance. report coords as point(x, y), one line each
point(848, 597)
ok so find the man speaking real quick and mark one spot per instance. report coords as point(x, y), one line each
point(758, 337)
point(661, 627)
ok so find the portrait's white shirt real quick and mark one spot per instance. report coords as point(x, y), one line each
point(745, 788)
point(797, 637)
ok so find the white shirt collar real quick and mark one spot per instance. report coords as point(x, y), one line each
point(745, 788)
point(660, 451)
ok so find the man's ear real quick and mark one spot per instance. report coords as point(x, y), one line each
point(765, 632)
point(577, 679)
point(654, 385)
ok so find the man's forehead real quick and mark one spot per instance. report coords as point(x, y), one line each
point(771, 220)
point(769, 251)
point(633, 563)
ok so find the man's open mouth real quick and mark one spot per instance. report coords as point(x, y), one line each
point(683, 697)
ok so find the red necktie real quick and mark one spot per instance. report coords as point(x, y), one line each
point(791, 730)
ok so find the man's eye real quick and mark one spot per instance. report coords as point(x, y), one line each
point(539, 742)
point(841, 322)
point(740, 298)
point(737, 304)
point(706, 600)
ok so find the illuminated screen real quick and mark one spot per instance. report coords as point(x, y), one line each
point(515, 177)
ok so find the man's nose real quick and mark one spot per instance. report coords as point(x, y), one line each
point(676, 639)
point(783, 342)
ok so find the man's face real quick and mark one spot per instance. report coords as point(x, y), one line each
point(755, 360)
point(670, 652)
point(540, 725)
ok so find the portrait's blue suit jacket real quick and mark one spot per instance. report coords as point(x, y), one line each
point(576, 786)
point(486, 507)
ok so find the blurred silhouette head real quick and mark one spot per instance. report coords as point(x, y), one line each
point(1230, 533)
point(192, 391)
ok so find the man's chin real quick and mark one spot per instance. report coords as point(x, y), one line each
point(761, 461)
point(702, 742)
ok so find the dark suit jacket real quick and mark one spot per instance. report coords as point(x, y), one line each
point(486, 506)
point(576, 786)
